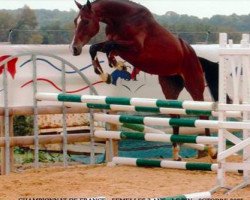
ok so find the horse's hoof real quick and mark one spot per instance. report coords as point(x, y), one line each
point(109, 79)
point(178, 159)
point(202, 154)
point(106, 78)
point(213, 155)
point(111, 65)
point(120, 65)
point(212, 152)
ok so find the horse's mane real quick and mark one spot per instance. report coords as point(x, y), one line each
point(128, 1)
point(132, 2)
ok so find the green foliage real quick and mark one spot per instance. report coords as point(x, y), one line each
point(26, 21)
point(23, 125)
point(19, 150)
point(48, 17)
point(50, 157)
point(55, 33)
point(25, 155)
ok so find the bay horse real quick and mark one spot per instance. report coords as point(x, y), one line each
point(133, 34)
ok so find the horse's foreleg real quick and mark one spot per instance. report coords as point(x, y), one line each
point(97, 67)
point(98, 70)
point(176, 146)
point(128, 45)
point(111, 59)
point(109, 47)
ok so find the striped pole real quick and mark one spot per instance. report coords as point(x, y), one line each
point(146, 129)
point(132, 108)
point(166, 122)
point(152, 137)
point(142, 128)
point(160, 110)
point(167, 111)
point(144, 102)
point(192, 196)
point(164, 164)
point(154, 121)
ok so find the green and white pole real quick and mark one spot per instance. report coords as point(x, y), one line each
point(146, 129)
point(164, 164)
point(144, 102)
point(156, 121)
point(167, 122)
point(100, 102)
point(167, 111)
point(192, 196)
point(152, 137)
point(160, 110)
point(142, 128)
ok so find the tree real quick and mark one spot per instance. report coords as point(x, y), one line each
point(36, 38)
point(7, 23)
point(25, 27)
point(55, 33)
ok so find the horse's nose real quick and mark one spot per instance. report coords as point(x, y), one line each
point(75, 51)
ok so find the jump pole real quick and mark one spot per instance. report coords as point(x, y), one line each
point(147, 129)
point(167, 122)
point(152, 137)
point(156, 121)
point(158, 110)
point(164, 164)
point(139, 104)
point(193, 196)
point(170, 164)
point(142, 128)
point(145, 102)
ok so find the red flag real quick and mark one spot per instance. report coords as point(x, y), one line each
point(11, 65)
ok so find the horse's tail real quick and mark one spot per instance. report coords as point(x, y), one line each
point(211, 71)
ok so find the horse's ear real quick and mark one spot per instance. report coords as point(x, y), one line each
point(78, 5)
point(88, 4)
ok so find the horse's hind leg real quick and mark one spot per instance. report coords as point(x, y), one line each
point(171, 87)
point(195, 85)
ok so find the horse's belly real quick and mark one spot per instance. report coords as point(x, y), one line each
point(156, 63)
point(159, 68)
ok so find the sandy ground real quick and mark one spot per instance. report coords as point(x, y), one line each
point(117, 182)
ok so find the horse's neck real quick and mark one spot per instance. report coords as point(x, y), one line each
point(113, 10)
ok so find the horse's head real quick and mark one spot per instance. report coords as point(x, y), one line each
point(86, 26)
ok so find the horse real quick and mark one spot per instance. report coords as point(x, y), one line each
point(133, 34)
